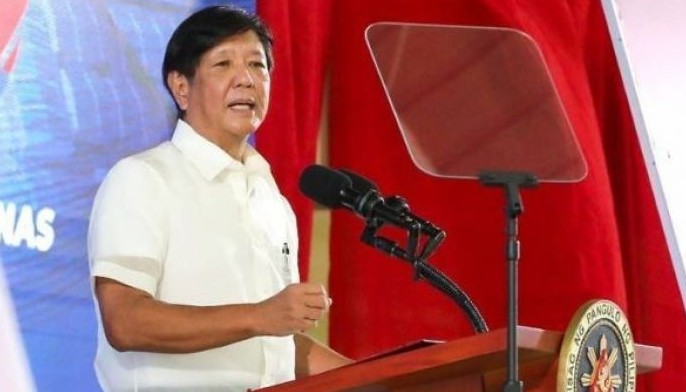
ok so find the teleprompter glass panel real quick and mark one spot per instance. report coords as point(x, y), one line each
point(473, 99)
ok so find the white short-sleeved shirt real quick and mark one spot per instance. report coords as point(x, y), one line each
point(190, 225)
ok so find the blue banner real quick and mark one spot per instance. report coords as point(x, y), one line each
point(80, 87)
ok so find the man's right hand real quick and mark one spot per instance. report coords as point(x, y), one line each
point(296, 308)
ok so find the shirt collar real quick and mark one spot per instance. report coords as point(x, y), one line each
point(209, 158)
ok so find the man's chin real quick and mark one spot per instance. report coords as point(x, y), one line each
point(244, 129)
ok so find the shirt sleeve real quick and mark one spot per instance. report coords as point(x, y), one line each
point(128, 227)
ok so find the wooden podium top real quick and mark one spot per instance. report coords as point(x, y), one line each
point(465, 364)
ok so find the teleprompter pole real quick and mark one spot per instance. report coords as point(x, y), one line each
point(511, 182)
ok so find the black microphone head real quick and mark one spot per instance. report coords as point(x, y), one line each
point(359, 182)
point(324, 185)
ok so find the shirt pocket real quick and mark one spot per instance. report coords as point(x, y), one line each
point(284, 263)
point(270, 216)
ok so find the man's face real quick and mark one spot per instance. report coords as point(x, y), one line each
point(228, 97)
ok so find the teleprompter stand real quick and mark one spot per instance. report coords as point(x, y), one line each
point(511, 182)
point(485, 107)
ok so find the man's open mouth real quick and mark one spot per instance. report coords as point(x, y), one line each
point(242, 104)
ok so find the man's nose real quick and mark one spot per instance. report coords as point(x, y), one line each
point(243, 77)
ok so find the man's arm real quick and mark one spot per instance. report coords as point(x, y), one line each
point(312, 357)
point(135, 321)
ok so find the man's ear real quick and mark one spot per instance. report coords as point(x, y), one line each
point(179, 86)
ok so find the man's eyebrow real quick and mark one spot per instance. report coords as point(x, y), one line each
point(256, 52)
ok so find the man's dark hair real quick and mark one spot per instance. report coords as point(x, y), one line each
point(204, 30)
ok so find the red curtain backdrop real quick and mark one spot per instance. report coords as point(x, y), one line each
point(600, 238)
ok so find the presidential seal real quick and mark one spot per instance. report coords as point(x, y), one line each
point(597, 352)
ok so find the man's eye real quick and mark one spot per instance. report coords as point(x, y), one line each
point(223, 63)
point(258, 64)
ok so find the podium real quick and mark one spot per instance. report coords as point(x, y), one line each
point(470, 364)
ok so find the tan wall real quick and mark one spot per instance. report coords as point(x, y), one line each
point(319, 264)
point(319, 251)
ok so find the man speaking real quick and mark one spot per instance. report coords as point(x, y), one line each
point(192, 246)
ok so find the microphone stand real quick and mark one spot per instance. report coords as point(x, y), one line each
point(511, 182)
point(423, 270)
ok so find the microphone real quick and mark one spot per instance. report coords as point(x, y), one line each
point(358, 181)
point(436, 235)
point(333, 189)
point(397, 203)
